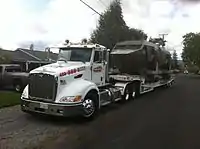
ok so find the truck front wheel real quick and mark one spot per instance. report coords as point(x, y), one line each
point(90, 106)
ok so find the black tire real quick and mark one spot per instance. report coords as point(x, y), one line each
point(169, 85)
point(125, 95)
point(128, 93)
point(90, 106)
point(18, 86)
point(137, 89)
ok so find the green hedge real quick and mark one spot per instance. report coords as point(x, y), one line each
point(193, 69)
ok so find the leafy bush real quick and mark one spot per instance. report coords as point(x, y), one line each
point(193, 69)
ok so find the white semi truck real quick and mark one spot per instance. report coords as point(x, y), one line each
point(83, 80)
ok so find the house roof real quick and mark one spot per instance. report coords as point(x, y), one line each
point(27, 55)
point(39, 55)
point(14, 65)
point(6, 52)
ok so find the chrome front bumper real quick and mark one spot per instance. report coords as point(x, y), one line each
point(55, 109)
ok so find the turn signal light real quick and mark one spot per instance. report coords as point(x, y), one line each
point(77, 99)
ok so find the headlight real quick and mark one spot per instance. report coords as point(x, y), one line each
point(24, 94)
point(71, 99)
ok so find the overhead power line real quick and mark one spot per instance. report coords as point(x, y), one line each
point(90, 7)
point(102, 3)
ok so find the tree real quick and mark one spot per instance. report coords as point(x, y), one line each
point(84, 40)
point(175, 60)
point(4, 58)
point(191, 49)
point(31, 47)
point(112, 28)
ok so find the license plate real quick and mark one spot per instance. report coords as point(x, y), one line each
point(43, 106)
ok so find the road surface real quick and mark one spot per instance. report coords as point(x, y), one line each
point(162, 119)
point(166, 118)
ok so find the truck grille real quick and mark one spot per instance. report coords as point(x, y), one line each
point(42, 87)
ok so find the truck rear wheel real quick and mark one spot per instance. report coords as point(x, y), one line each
point(90, 106)
point(137, 89)
point(128, 93)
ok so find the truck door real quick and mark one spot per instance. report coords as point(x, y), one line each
point(98, 68)
point(105, 65)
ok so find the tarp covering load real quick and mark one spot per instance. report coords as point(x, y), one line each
point(138, 57)
point(164, 59)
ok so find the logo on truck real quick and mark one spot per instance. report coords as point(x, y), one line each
point(72, 71)
point(98, 69)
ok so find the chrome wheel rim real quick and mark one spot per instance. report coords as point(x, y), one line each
point(133, 95)
point(17, 88)
point(126, 94)
point(88, 107)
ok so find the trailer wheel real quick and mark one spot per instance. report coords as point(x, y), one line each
point(169, 85)
point(90, 105)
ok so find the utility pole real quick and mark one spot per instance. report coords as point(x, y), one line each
point(163, 36)
point(90, 7)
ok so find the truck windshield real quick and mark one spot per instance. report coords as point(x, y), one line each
point(75, 54)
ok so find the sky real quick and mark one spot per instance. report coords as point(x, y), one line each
point(47, 22)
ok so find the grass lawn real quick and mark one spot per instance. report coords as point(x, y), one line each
point(8, 98)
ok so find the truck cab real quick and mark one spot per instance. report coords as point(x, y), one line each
point(93, 57)
point(73, 82)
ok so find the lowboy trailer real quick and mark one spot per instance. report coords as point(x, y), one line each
point(85, 78)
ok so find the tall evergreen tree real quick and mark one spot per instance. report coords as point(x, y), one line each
point(191, 49)
point(112, 28)
point(175, 60)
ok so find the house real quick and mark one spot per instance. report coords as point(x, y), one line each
point(29, 59)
